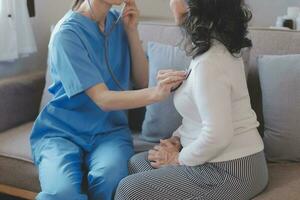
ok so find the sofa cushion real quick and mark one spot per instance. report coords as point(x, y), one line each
point(17, 169)
point(28, 89)
point(15, 143)
point(267, 42)
point(161, 118)
point(16, 165)
point(141, 145)
point(280, 83)
point(284, 182)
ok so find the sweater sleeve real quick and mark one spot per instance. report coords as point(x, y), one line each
point(212, 95)
point(176, 133)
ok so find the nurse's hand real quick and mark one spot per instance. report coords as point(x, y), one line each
point(166, 81)
point(130, 15)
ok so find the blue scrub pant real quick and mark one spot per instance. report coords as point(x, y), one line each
point(65, 168)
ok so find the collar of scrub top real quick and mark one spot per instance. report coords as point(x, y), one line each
point(92, 25)
point(109, 30)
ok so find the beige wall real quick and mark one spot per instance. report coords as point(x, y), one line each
point(155, 8)
point(264, 11)
point(50, 11)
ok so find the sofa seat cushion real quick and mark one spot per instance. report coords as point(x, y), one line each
point(141, 145)
point(284, 182)
point(16, 165)
point(17, 169)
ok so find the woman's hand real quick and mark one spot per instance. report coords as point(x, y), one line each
point(174, 140)
point(166, 81)
point(130, 16)
point(166, 153)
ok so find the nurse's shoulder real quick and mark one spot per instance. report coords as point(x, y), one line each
point(63, 38)
point(64, 30)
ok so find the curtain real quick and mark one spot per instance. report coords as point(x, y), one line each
point(16, 34)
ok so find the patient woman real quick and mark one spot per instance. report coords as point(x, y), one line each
point(217, 152)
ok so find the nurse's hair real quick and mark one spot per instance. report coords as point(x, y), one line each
point(76, 4)
point(223, 20)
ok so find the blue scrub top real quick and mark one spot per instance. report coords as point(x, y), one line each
point(76, 60)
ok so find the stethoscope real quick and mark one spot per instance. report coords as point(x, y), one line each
point(106, 35)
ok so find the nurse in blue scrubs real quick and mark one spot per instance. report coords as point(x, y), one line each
point(81, 141)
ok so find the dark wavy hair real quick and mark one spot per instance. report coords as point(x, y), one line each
point(223, 20)
point(76, 4)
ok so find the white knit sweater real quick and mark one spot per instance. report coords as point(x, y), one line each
point(218, 121)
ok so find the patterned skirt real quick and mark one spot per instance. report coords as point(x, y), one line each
point(239, 179)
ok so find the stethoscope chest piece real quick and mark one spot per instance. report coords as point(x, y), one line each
point(188, 73)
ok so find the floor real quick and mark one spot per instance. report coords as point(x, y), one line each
point(4, 197)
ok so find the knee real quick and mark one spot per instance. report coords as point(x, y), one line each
point(129, 188)
point(135, 159)
point(61, 192)
point(104, 181)
point(139, 163)
point(109, 176)
point(133, 165)
point(139, 157)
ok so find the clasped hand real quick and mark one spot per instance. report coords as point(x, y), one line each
point(166, 153)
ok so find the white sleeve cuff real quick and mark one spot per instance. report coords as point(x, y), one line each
point(187, 158)
point(176, 133)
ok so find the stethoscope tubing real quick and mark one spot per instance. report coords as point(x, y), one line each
point(106, 45)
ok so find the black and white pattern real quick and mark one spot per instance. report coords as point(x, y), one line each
point(239, 179)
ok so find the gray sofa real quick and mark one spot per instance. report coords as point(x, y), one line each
point(21, 96)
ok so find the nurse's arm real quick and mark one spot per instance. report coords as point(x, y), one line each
point(108, 100)
point(139, 61)
point(114, 100)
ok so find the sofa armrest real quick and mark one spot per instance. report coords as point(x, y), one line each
point(20, 98)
